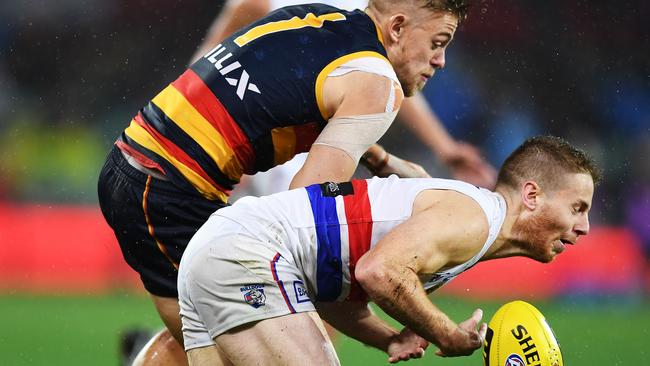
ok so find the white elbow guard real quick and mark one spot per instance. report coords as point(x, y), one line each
point(355, 134)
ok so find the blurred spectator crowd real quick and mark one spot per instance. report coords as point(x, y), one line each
point(73, 73)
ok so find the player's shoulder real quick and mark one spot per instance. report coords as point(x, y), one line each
point(460, 207)
point(376, 88)
point(362, 93)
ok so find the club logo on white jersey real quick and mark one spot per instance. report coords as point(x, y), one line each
point(242, 84)
point(331, 189)
point(514, 360)
point(254, 295)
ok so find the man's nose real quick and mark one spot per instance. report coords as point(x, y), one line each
point(582, 227)
point(438, 59)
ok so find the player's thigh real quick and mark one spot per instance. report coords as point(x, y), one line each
point(161, 350)
point(294, 339)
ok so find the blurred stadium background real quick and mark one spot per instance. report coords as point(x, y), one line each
point(72, 73)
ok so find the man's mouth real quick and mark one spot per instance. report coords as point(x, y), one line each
point(561, 245)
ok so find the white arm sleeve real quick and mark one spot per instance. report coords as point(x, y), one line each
point(355, 134)
point(373, 65)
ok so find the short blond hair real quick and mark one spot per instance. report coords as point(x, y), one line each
point(545, 159)
point(458, 8)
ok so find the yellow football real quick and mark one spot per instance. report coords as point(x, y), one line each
point(518, 335)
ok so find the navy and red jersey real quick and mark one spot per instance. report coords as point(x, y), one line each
point(252, 102)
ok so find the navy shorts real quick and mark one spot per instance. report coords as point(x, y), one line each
point(153, 220)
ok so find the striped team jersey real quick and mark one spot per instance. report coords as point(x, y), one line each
point(252, 102)
point(324, 229)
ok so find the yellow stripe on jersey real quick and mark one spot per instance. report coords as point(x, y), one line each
point(284, 144)
point(320, 80)
point(142, 137)
point(179, 110)
point(310, 20)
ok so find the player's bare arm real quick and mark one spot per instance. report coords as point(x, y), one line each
point(234, 15)
point(357, 320)
point(456, 229)
point(354, 97)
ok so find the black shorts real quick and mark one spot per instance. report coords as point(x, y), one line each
point(153, 220)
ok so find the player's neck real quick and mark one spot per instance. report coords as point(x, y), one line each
point(506, 243)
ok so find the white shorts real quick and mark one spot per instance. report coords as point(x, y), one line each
point(228, 278)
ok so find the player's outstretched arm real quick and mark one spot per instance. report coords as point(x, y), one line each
point(234, 15)
point(434, 237)
point(357, 320)
point(360, 107)
point(463, 160)
point(382, 164)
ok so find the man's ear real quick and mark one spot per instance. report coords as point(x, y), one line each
point(531, 194)
point(396, 27)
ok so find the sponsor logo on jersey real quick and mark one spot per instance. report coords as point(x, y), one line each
point(301, 291)
point(254, 295)
point(243, 83)
point(331, 189)
point(514, 360)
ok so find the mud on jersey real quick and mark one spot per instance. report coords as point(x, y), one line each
point(252, 102)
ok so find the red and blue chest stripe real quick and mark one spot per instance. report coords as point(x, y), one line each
point(342, 238)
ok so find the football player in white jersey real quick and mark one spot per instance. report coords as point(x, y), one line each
point(257, 278)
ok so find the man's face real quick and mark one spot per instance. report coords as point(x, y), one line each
point(419, 47)
point(561, 218)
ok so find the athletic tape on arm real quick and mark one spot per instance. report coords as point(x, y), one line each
point(355, 134)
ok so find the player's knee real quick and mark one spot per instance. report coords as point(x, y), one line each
point(161, 350)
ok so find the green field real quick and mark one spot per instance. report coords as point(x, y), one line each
point(76, 330)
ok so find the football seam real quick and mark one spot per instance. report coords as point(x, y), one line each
point(503, 318)
point(540, 317)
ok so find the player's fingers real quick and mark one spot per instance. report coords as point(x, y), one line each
point(424, 344)
point(482, 331)
point(477, 315)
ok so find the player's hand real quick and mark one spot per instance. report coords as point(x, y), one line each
point(401, 167)
point(406, 345)
point(466, 338)
point(465, 163)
